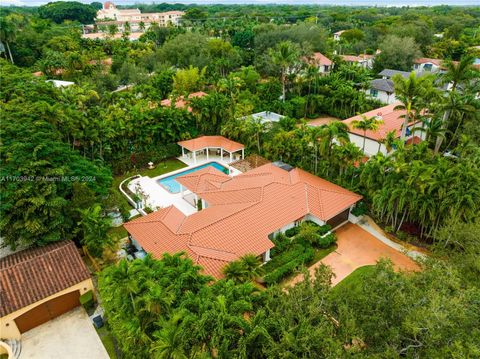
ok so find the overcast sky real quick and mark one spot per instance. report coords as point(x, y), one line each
point(318, 2)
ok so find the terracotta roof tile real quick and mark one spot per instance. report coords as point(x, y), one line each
point(211, 141)
point(242, 213)
point(34, 274)
point(392, 121)
point(208, 178)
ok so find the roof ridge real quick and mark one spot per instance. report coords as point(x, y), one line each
point(27, 258)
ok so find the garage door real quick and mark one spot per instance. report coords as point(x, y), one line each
point(339, 218)
point(47, 311)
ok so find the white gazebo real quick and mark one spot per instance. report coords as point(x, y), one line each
point(211, 147)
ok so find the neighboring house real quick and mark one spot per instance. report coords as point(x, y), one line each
point(135, 17)
point(265, 117)
point(383, 89)
point(241, 214)
point(181, 102)
point(425, 64)
point(363, 60)
point(337, 35)
point(40, 284)
point(128, 19)
point(392, 121)
point(323, 63)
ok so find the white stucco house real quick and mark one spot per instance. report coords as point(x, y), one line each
point(392, 121)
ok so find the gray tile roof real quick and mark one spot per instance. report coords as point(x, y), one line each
point(382, 85)
point(390, 73)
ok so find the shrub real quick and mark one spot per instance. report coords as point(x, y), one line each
point(326, 241)
point(86, 300)
point(324, 229)
point(289, 267)
point(292, 231)
point(281, 244)
point(360, 209)
point(294, 252)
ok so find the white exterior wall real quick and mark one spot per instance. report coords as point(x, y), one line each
point(312, 218)
point(371, 146)
point(382, 96)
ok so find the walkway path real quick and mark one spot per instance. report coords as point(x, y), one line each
point(358, 247)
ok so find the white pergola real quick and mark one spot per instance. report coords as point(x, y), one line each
point(207, 143)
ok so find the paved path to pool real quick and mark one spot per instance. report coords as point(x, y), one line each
point(157, 196)
point(357, 248)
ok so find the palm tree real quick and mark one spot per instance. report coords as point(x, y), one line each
point(7, 34)
point(456, 73)
point(141, 25)
point(389, 140)
point(245, 269)
point(410, 92)
point(284, 55)
point(367, 124)
point(336, 130)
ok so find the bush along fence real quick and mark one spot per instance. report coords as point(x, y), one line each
point(296, 248)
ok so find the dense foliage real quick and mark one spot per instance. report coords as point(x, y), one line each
point(60, 147)
point(167, 309)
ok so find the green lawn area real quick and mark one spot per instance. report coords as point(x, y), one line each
point(107, 340)
point(353, 282)
point(166, 166)
point(321, 253)
point(117, 233)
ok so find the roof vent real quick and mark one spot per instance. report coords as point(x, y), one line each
point(283, 165)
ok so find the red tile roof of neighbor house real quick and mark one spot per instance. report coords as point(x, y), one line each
point(242, 212)
point(211, 141)
point(354, 58)
point(320, 59)
point(392, 121)
point(34, 274)
point(181, 102)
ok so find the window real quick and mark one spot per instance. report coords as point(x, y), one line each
point(427, 67)
point(373, 92)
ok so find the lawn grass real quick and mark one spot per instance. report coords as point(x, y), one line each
point(161, 168)
point(353, 282)
point(117, 233)
point(107, 340)
point(321, 253)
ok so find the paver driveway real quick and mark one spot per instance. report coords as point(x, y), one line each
point(70, 336)
point(357, 248)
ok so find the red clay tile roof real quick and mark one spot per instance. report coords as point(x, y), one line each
point(242, 212)
point(391, 122)
point(34, 274)
point(321, 59)
point(211, 141)
point(353, 58)
point(415, 140)
point(181, 102)
point(208, 178)
point(425, 60)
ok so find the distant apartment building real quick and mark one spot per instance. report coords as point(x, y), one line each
point(110, 12)
point(131, 20)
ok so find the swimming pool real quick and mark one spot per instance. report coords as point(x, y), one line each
point(172, 186)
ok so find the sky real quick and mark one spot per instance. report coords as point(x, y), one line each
point(312, 2)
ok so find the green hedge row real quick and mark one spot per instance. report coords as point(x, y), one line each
point(289, 268)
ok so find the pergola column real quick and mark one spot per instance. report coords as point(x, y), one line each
point(183, 152)
point(230, 156)
point(207, 152)
point(195, 157)
point(243, 153)
point(221, 153)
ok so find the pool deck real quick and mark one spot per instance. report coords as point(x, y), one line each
point(159, 197)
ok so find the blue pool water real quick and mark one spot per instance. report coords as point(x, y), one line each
point(172, 186)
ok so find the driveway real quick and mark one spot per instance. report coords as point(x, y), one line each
point(357, 248)
point(71, 336)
